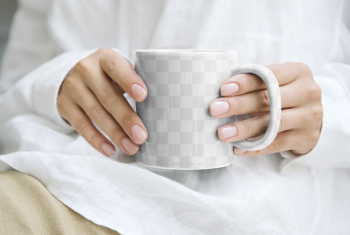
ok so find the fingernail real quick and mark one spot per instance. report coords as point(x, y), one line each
point(107, 149)
point(129, 146)
point(138, 134)
point(240, 151)
point(138, 92)
point(219, 107)
point(229, 89)
point(227, 132)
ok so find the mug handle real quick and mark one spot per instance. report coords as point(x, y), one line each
point(275, 106)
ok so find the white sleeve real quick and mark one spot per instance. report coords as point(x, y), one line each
point(333, 147)
point(37, 91)
point(27, 83)
point(34, 67)
point(30, 43)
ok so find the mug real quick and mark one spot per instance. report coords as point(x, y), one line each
point(181, 85)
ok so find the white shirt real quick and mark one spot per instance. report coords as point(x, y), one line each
point(273, 194)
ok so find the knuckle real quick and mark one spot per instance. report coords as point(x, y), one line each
point(103, 50)
point(83, 65)
point(80, 125)
point(247, 82)
point(317, 112)
point(95, 137)
point(304, 68)
point(264, 99)
point(245, 127)
point(127, 119)
point(315, 91)
point(97, 111)
point(315, 135)
point(276, 70)
point(116, 134)
point(274, 146)
point(70, 83)
point(114, 65)
point(284, 122)
point(237, 104)
point(109, 96)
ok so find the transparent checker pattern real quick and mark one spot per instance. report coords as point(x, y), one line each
point(181, 85)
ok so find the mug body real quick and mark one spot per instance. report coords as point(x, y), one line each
point(181, 85)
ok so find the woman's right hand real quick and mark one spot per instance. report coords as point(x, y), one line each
point(93, 92)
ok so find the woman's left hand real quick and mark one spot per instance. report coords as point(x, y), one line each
point(302, 111)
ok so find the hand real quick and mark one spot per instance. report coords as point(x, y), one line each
point(93, 91)
point(302, 111)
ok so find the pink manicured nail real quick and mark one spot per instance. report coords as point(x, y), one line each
point(130, 146)
point(240, 151)
point(227, 132)
point(107, 149)
point(218, 108)
point(138, 92)
point(138, 133)
point(229, 89)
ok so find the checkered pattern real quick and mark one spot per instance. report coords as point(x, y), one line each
point(181, 84)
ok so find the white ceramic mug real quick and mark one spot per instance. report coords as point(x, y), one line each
point(181, 85)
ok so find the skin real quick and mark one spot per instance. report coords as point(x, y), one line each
point(302, 111)
point(94, 88)
point(93, 91)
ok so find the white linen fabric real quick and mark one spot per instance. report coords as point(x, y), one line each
point(273, 194)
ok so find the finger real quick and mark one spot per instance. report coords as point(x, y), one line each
point(118, 87)
point(82, 124)
point(117, 105)
point(257, 126)
point(121, 71)
point(256, 101)
point(244, 83)
point(103, 119)
point(284, 141)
